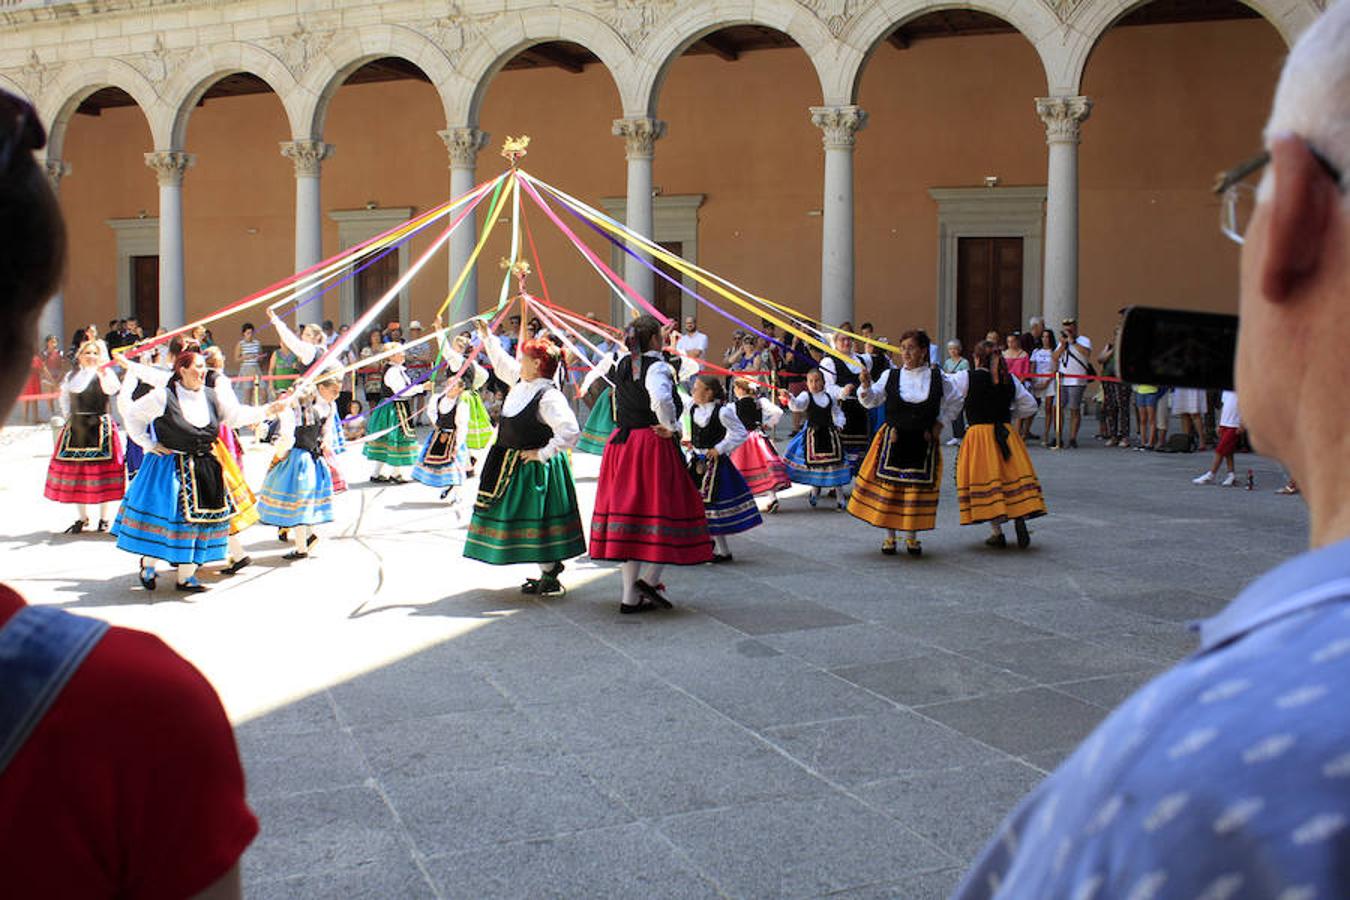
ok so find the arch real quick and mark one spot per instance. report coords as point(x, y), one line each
point(14, 88)
point(214, 62)
point(494, 47)
point(78, 80)
point(1288, 17)
point(350, 50)
point(1033, 21)
point(697, 20)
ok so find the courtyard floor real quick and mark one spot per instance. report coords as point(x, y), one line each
point(813, 719)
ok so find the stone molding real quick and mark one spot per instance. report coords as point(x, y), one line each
point(640, 135)
point(170, 166)
point(463, 145)
point(56, 169)
point(1063, 117)
point(308, 156)
point(841, 125)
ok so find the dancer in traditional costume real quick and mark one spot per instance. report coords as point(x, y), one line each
point(600, 423)
point(995, 480)
point(87, 468)
point(139, 379)
point(815, 455)
point(646, 507)
point(297, 493)
point(526, 510)
point(757, 459)
point(444, 455)
point(843, 375)
point(231, 456)
point(179, 508)
point(715, 433)
point(900, 479)
point(881, 364)
point(393, 443)
point(306, 347)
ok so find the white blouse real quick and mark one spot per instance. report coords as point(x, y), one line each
point(914, 387)
point(736, 433)
point(828, 368)
point(769, 412)
point(196, 409)
point(288, 419)
point(396, 379)
point(800, 402)
point(443, 405)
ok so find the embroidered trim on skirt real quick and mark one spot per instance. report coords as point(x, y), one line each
point(759, 463)
point(989, 487)
point(297, 491)
point(151, 521)
point(533, 517)
point(727, 500)
point(397, 446)
point(833, 473)
point(905, 500)
point(87, 474)
point(440, 465)
point(599, 425)
point(646, 506)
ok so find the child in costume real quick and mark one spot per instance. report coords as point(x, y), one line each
point(843, 376)
point(715, 433)
point(757, 458)
point(87, 467)
point(444, 458)
point(815, 456)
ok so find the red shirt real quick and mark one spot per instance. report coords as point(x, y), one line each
point(130, 786)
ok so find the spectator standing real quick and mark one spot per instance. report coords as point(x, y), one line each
point(1042, 387)
point(393, 333)
point(1116, 396)
point(1189, 406)
point(248, 357)
point(692, 343)
point(329, 335)
point(1072, 356)
point(1146, 401)
point(1031, 338)
point(371, 376)
point(54, 369)
point(421, 356)
point(1018, 362)
point(954, 363)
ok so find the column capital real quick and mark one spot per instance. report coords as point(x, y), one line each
point(1063, 117)
point(640, 135)
point(170, 166)
point(308, 156)
point(56, 169)
point(841, 125)
point(463, 144)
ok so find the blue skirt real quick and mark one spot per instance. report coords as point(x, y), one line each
point(828, 475)
point(297, 491)
point(440, 472)
point(151, 520)
point(876, 417)
point(134, 456)
point(727, 500)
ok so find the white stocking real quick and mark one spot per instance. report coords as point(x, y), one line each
point(236, 548)
point(186, 571)
point(653, 576)
point(720, 542)
point(630, 577)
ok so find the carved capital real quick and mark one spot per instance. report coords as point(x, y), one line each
point(1063, 117)
point(56, 169)
point(841, 125)
point(308, 156)
point(463, 145)
point(640, 135)
point(170, 166)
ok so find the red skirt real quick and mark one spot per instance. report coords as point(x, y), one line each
point(646, 505)
point(760, 464)
point(90, 475)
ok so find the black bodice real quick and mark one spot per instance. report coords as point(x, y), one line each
point(524, 430)
point(707, 436)
point(748, 411)
point(177, 433)
point(907, 416)
point(988, 403)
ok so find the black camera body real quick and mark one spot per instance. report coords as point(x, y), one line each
point(1179, 348)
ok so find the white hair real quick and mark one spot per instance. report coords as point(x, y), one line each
point(954, 343)
point(1313, 97)
point(1034, 321)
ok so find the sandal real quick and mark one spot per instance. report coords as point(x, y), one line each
point(772, 507)
point(888, 547)
point(723, 558)
point(646, 604)
point(79, 526)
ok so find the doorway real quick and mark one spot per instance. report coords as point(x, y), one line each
point(145, 292)
point(669, 298)
point(988, 288)
point(374, 281)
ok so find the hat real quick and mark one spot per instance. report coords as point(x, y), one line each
point(415, 325)
point(1069, 321)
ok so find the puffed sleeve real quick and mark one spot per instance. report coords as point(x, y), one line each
point(736, 433)
point(799, 402)
point(557, 414)
point(152, 375)
point(660, 384)
point(111, 383)
point(1023, 404)
point(461, 420)
point(771, 412)
point(837, 410)
point(140, 416)
point(395, 378)
point(303, 349)
point(827, 368)
point(233, 413)
point(954, 388)
point(65, 396)
point(504, 364)
point(601, 369)
point(285, 438)
point(874, 396)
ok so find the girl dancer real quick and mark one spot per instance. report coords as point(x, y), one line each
point(178, 509)
point(715, 433)
point(845, 375)
point(297, 493)
point(526, 510)
point(757, 459)
point(393, 448)
point(444, 457)
point(899, 481)
point(815, 456)
point(307, 346)
point(87, 465)
point(995, 480)
point(646, 507)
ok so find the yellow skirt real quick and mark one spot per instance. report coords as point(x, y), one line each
point(887, 504)
point(245, 504)
point(989, 487)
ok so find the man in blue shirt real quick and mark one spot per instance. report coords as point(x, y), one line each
point(1229, 776)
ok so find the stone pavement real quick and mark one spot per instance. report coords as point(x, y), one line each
point(814, 719)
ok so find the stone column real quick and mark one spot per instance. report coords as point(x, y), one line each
point(463, 145)
point(1063, 117)
point(640, 135)
point(53, 319)
point(308, 157)
point(170, 166)
point(840, 125)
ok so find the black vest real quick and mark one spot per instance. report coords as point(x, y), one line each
point(524, 430)
point(710, 435)
point(880, 365)
point(906, 416)
point(177, 433)
point(632, 403)
point(445, 421)
point(819, 418)
point(843, 375)
point(88, 408)
point(91, 401)
point(988, 403)
point(748, 411)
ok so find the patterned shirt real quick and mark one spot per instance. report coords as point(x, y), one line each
point(1227, 777)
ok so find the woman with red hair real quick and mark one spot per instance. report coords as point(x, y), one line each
point(526, 510)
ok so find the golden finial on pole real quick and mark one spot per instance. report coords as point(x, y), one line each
point(521, 269)
point(513, 149)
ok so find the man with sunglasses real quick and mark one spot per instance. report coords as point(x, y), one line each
point(1229, 775)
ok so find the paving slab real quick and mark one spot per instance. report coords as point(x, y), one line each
point(932, 678)
point(1021, 722)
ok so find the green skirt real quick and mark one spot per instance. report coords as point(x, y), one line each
point(599, 425)
point(397, 446)
point(534, 518)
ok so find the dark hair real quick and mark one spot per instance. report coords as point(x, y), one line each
point(328, 323)
point(638, 335)
point(247, 326)
point(356, 403)
point(989, 356)
point(866, 326)
point(715, 384)
point(1047, 333)
point(918, 336)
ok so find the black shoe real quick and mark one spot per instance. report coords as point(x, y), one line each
point(772, 507)
point(653, 594)
point(378, 479)
point(294, 555)
point(1073, 443)
point(722, 558)
point(446, 493)
point(284, 535)
point(237, 566)
point(1033, 437)
point(79, 526)
point(914, 548)
point(309, 541)
point(646, 604)
point(545, 586)
point(191, 586)
point(996, 540)
point(148, 577)
point(397, 479)
point(102, 525)
point(1023, 535)
point(888, 548)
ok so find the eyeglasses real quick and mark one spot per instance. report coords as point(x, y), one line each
point(1238, 194)
point(20, 128)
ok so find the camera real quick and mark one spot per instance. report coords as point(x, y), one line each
point(1176, 347)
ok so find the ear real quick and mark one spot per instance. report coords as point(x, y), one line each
point(1298, 215)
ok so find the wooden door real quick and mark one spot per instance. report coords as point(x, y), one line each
point(372, 283)
point(669, 298)
point(988, 288)
point(145, 292)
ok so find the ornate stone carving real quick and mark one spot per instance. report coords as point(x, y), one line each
point(308, 156)
point(1064, 9)
point(159, 63)
point(640, 135)
point(1063, 117)
point(456, 31)
point(836, 14)
point(841, 125)
point(35, 74)
point(56, 169)
point(170, 166)
point(299, 48)
point(633, 19)
point(463, 145)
